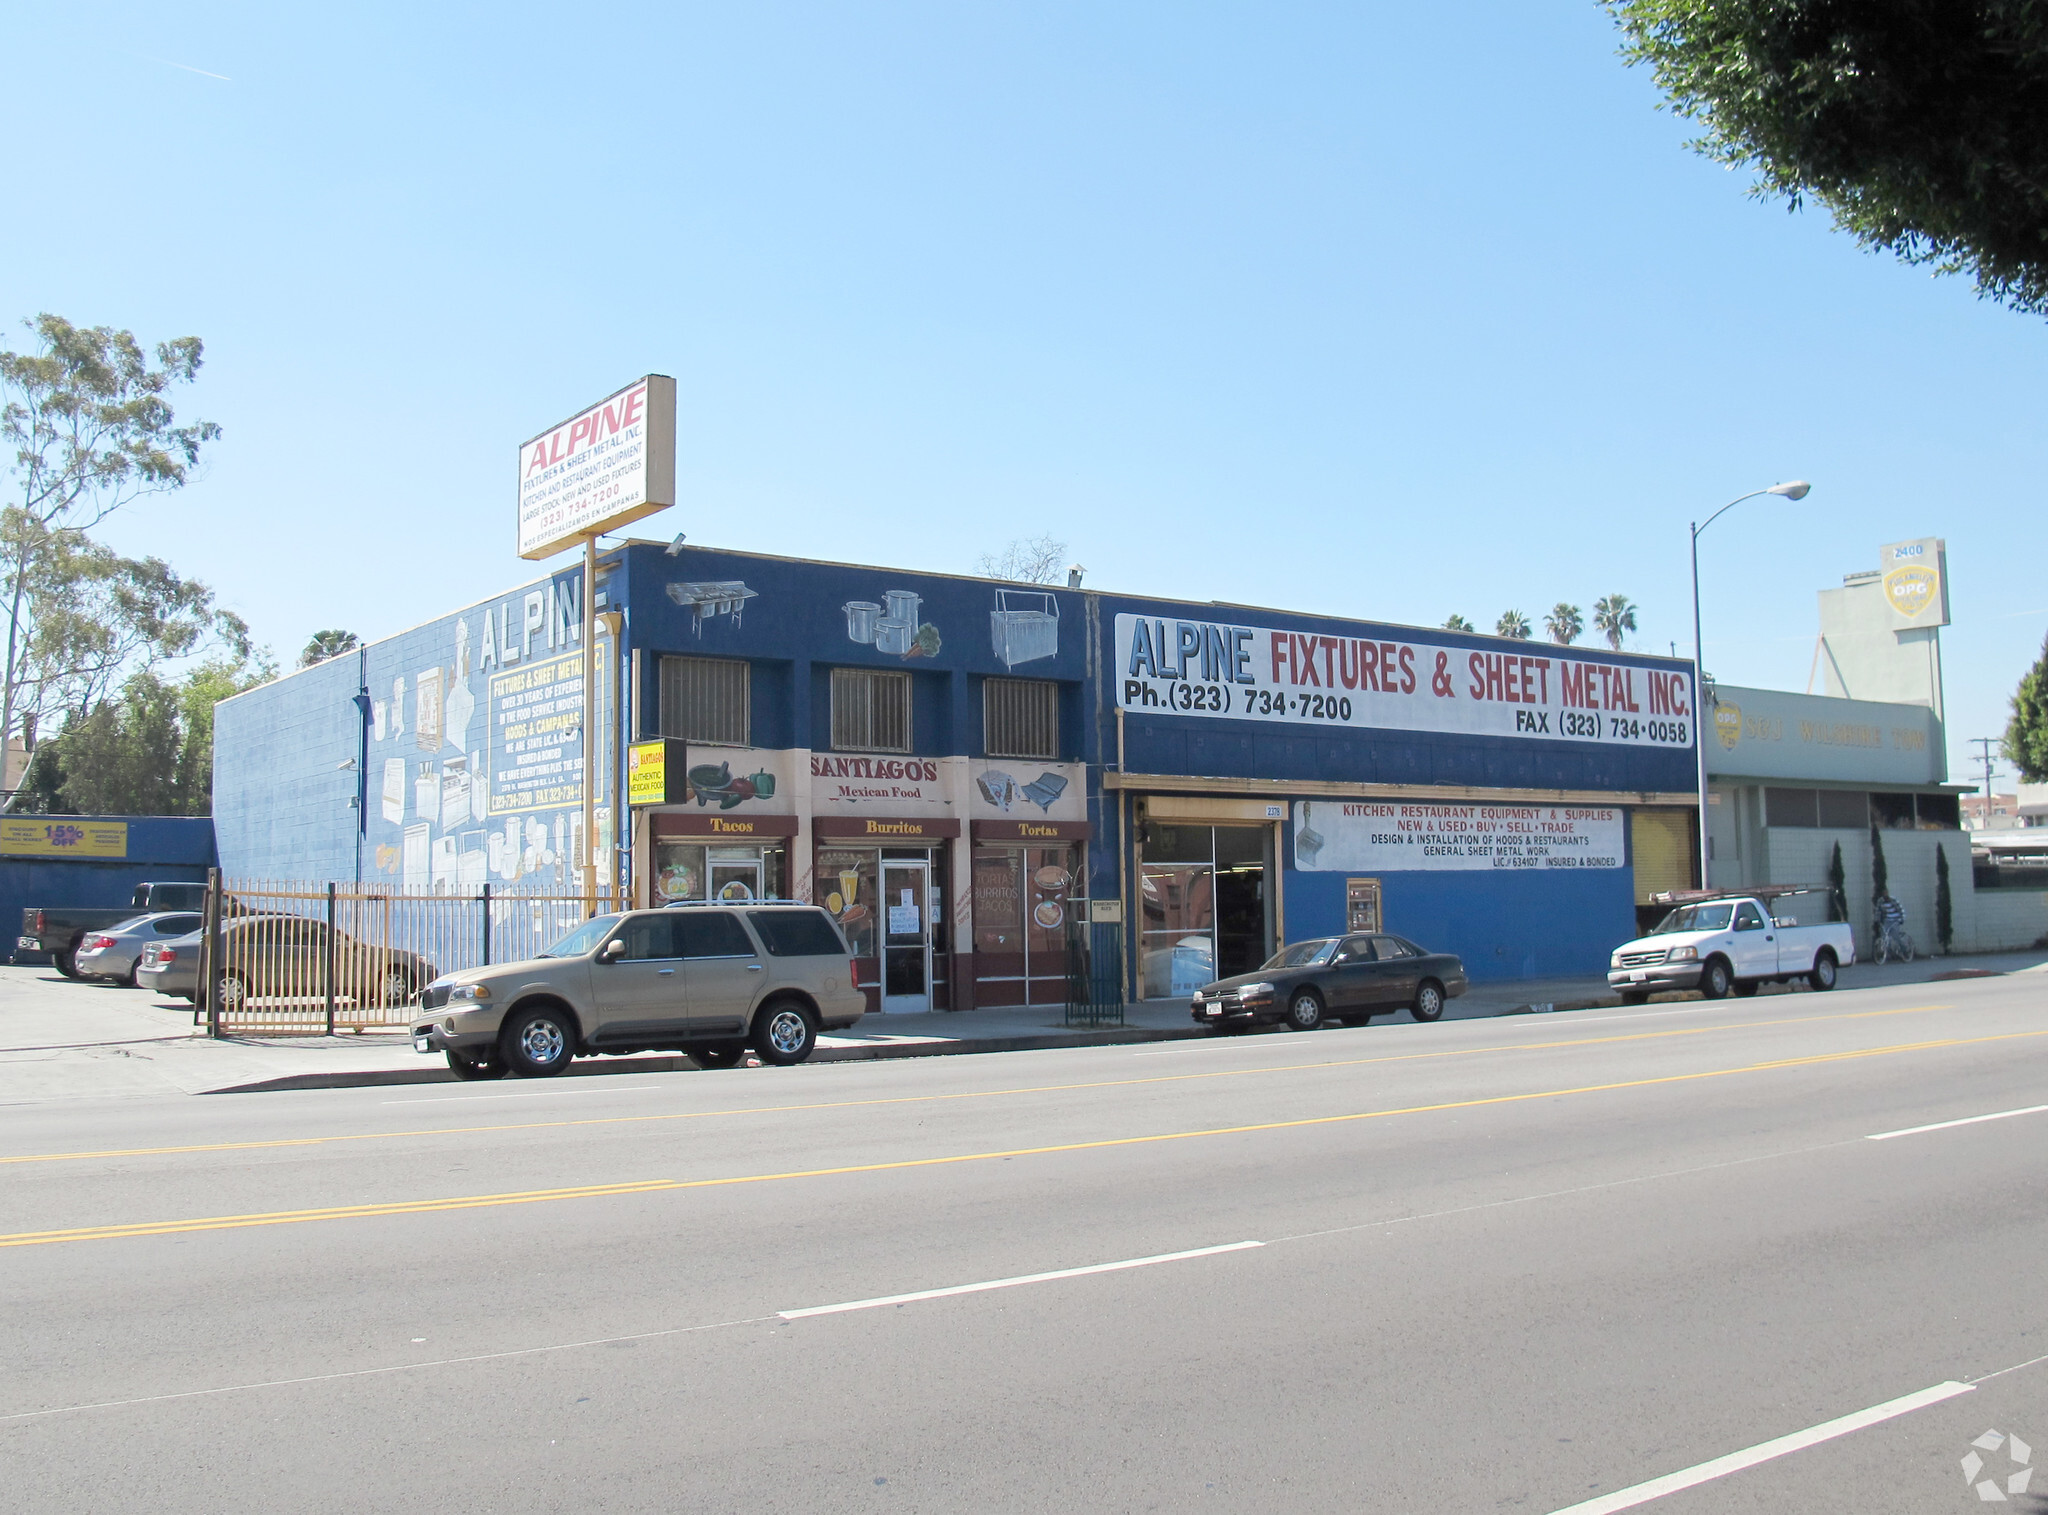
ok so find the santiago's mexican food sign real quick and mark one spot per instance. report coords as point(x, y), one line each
point(1256, 673)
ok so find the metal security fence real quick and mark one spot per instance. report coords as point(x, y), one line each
point(1095, 983)
point(283, 958)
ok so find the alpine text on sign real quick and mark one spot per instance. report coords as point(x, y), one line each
point(612, 464)
point(1525, 690)
point(1395, 836)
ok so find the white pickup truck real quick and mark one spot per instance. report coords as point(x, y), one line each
point(1720, 942)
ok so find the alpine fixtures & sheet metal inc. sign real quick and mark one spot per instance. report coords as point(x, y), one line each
point(1229, 672)
point(1394, 836)
point(537, 710)
point(612, 464)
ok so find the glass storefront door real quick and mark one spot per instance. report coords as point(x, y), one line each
point(906, 937)
point(1203, 906)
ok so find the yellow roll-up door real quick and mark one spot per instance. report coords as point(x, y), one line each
point(1662, 841)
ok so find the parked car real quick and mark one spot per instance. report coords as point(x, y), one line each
point(285, 956)
point(709, 979)
point(113, 953)
point(1348, 979)
point(58, 929)
point(1718, 943)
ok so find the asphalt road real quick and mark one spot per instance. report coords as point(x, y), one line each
point(1513, 1264)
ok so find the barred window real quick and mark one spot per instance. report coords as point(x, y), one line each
point(870, 710)
point(1020, 718)
point(705, 699)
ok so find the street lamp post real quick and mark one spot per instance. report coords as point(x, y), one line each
point(1797, 489)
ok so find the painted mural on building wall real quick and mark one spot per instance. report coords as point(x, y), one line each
point(476, 747)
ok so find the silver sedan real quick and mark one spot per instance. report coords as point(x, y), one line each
point(112, 954)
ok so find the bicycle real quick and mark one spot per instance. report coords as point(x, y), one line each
point(1894, 945)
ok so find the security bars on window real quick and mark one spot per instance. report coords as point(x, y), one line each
point(870, 710)
point(704, 699)
point(1021, 718)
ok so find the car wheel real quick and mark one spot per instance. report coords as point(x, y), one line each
point(1429, 1001)
point(1714, 979)
point(1824, 972)
point(396, 987)
point(65, 963)
point(538, 1043)
point(724, 1055)
point(131, 981)
point(234, 993)
point(1746, 988)
point(1634, 997)
point(473, 1066)
point(1305, 1010)
point(784, 1034)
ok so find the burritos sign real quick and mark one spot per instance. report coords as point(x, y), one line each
point(614, 463)
point(1915, 582)
point(1510, 689)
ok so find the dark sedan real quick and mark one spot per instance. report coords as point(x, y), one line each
point(1349, 979)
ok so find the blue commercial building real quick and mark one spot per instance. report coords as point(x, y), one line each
point(958, 768)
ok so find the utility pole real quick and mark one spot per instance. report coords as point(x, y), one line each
point(1984, 744)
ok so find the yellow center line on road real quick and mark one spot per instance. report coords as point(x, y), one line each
point(662, 1185)
point(972, 1094)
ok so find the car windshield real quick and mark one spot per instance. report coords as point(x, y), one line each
point(1711, 917)
point(1302, 954)
point(584, 938)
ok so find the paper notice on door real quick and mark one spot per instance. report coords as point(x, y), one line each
point(909, 897)
point(903, 921)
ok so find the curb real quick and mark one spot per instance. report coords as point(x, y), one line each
point(373, 1078)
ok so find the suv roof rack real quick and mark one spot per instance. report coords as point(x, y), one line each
point(700, 904)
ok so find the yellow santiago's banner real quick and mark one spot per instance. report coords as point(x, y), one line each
point(36, 836)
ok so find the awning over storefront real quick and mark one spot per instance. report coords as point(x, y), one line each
point(733, 827)
point(1032, 831)
point(885, 829)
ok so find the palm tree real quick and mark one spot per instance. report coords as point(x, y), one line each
point(1512, 623)
point(1614, 618)
point(1564, 624)
point(1457, 623)
point(325, 645)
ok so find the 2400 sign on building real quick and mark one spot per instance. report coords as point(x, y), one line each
point(1223, 671)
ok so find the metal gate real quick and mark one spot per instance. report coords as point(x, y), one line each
point(283, 959)
point(1095, 979)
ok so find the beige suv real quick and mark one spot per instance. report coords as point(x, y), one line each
point(711, 980)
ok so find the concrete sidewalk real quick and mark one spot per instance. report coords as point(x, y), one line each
point(63, 1039)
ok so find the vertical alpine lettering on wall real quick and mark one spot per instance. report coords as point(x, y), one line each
point(1414, 683)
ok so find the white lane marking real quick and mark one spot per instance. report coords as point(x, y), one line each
point(1011, 1283)
point(456, 1099)
point(1735, 1462)
point(1946, 1125)
point(396, 1367)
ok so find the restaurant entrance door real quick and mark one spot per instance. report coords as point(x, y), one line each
point(906, 906)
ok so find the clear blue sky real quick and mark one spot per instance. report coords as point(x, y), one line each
point(1377, 309)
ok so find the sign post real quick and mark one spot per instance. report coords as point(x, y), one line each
point(592, 474)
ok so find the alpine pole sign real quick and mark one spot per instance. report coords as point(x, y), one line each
point(613, 463)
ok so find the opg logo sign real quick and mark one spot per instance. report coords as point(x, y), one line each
point(2018, 1455)
point(1728, 723)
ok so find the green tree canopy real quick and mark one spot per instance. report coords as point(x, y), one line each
point(1922, 125)
point(327, 644)
point(91, 430)
point(148, 750)
point(1457, 623)
point(1614, 617)
point(1512, 623)
point(2026, 734)
point(1564, 623)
